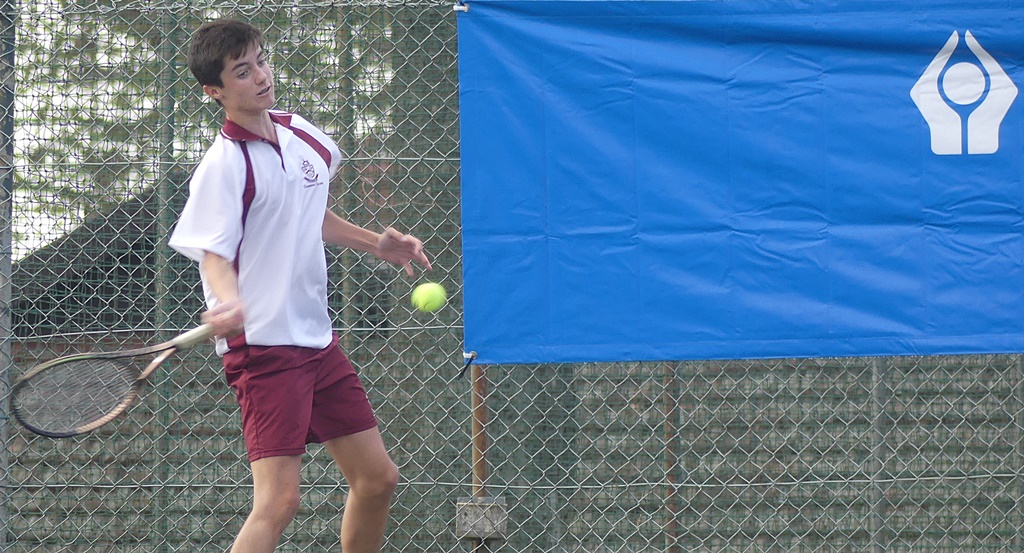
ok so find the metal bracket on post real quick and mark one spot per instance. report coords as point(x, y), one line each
point(482, 518)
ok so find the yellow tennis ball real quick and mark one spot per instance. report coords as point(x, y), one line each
point(429, 296)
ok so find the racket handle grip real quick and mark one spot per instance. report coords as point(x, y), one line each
point(193, 337)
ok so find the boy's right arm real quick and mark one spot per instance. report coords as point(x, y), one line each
point(228, 317)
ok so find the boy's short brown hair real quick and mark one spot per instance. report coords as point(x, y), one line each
point(216, 41)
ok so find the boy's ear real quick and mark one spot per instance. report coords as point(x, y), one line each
point(212, 91)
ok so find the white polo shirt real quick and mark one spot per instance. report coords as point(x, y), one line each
point(262, 207)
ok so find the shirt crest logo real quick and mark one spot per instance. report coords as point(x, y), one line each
point(309, 174)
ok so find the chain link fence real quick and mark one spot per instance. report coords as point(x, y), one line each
point(860, 454)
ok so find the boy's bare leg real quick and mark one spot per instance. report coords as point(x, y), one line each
point(372, 478)
point(275, 484)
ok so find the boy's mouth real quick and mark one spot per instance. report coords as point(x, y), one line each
point(265, 91)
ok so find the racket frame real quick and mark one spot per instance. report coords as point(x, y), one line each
point(164, 350)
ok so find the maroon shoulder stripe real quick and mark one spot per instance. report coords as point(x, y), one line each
point(285, 120)
point(315, 144)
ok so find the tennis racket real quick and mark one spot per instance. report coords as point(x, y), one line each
point(79, 393)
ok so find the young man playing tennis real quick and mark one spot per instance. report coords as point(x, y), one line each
point(256, 221)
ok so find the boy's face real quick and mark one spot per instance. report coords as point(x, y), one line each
point(248, 84)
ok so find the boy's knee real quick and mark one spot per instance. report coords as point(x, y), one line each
point(280, 509)
point(381, 484)
point(289, 505)
point(390, 479)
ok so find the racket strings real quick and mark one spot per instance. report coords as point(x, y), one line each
point(71, 395)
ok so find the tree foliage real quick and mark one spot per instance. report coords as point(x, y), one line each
point(106, 107)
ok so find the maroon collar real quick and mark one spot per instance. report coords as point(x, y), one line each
point(234, 131)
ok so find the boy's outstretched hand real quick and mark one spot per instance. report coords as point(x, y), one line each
point(401, 249)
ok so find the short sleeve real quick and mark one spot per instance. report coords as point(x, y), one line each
point(211, 220)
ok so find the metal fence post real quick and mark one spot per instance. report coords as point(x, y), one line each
point(671, 412)
point(1016, 416)
point(479, 403)
point(880, 424)
point(167, 187)
point(7, 43)
point(480, 517)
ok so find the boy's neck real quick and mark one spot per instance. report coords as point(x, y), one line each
point(259, 124)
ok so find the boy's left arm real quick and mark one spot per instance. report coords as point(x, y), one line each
point(390, 245)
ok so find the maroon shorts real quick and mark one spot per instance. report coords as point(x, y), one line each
point(292, 396)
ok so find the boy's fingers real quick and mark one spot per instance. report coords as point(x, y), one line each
point(422, 258)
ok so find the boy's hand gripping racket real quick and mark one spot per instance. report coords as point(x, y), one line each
point(75, 394)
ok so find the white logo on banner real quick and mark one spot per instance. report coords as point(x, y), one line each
point(964, 84)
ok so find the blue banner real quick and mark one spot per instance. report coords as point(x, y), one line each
point(678, 180)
